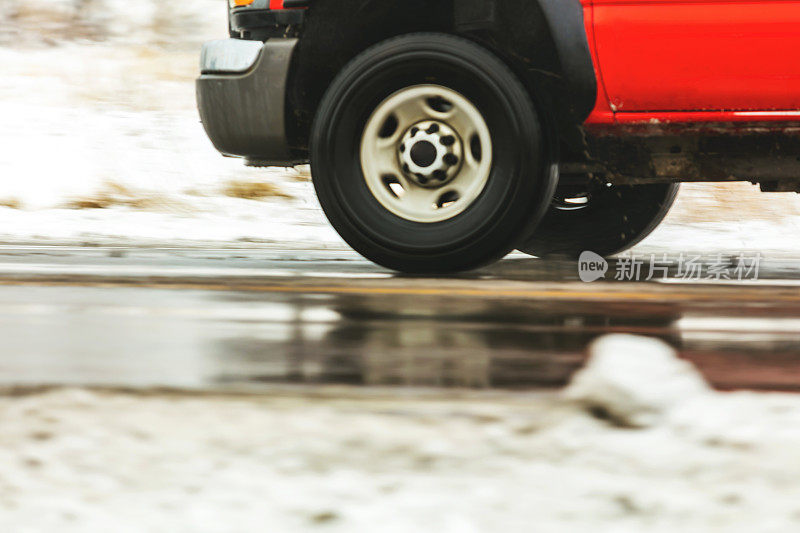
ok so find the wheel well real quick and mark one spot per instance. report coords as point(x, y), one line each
point(515, 30)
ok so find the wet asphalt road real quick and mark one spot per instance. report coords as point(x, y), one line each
point(246, 318)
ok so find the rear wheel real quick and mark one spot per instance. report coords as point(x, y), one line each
point(606, 219)
point(422, 153)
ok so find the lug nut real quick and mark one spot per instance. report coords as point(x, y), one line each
point(429, 153)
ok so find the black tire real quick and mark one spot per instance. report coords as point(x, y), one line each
point(521, 181)
point(613, 220)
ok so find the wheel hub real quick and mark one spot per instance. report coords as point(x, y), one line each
point(430, 153)
point(426, 153)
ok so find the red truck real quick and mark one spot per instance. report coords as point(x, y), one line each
point(443, 134)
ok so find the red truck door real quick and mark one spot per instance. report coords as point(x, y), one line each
point(699, 55)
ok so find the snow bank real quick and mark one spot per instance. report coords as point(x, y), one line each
point(634, 380)
point(339, 460)
point(82, 461)
point(115, 111)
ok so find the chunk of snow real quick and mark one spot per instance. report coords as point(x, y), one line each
point(634, 380)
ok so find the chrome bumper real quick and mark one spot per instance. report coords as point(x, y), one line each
point(229, 56)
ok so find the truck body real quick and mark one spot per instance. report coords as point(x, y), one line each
point(627, 93)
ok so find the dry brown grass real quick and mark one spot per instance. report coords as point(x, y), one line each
point(253, 190)
point(51, 23)
point(301, 173)
point(11, 203)
point(731, 202)
point(114, 194)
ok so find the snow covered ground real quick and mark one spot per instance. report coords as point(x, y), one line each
point(107, 118)
point(380, 460)
point(97, 100)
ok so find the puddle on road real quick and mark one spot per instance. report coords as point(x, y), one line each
point(449, 342)
point(128, 336)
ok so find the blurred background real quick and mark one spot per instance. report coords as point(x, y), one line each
point(101, 140)
point(188, 346)
point(101, 143)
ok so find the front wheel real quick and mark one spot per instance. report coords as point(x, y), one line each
point(603, 218)
point(429, 156)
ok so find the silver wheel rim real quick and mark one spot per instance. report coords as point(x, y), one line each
point(426, 153)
